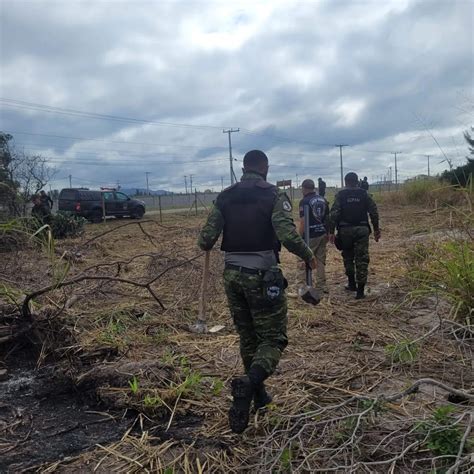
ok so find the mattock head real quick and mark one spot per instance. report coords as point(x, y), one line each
point(310, 295)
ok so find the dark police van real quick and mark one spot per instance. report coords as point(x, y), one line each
point(86, 203)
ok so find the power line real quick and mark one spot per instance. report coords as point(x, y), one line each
point(80, 113)
point(64, 137)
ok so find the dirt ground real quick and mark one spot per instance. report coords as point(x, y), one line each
point(102, 374)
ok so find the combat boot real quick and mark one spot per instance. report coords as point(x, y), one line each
point(261, 398)
point(242, 393)
point(360, 291)
point(351, 286)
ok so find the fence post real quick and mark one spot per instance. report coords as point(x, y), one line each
point(196, 200)
point(103, 207)
point(159, 204)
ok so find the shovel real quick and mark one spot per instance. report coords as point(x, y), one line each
point(308, 294)
point(200, 326)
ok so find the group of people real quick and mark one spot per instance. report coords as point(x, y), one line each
point(255, 220)
point(349, 216)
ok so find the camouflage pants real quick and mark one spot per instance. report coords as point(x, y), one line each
point(260, 322)
point(355, 244)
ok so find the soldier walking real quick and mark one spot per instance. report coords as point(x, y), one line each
point(349, 215)
point(318, 230)
point(254, 217)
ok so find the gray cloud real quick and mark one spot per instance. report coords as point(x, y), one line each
point(371, 75)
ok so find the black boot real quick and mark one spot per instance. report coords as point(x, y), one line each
point(360, 291)
point(261, 398)
point(242, 392)
point(352, 284)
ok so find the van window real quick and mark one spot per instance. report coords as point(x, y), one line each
point(121, 197)
point(89, 196)
point(108, 196)
point(68, 195)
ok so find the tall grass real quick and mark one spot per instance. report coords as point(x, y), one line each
point(446, 270)
point(425, 193)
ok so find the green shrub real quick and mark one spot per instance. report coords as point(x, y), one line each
point(441, 436)
point(403, 352)
point(64, 224)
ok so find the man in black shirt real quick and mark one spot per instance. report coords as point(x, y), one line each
point(318, 229)
point(321, 187)
point(364, 184)
point(46, 200)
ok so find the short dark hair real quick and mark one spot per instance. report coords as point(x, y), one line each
point(308, 184)
point(255, 160)
point(351, 178)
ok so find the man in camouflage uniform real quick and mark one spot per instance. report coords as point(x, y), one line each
point(254, 217)
point(349, 216)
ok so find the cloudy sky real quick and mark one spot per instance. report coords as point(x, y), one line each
point(110, 90)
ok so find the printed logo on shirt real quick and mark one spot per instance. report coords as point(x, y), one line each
point(287, 206)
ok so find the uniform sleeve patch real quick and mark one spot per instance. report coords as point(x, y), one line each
point(287, 206)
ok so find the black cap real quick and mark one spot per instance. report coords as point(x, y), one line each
point(351, 178)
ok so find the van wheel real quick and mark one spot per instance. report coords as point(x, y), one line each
point(138, 213)
point(96, 217)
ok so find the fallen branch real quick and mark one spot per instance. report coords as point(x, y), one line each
point(109, 231)
point(414, 388)
point(25, 309)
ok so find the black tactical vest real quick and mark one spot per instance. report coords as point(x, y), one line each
point(354, 207)
point(247, 210)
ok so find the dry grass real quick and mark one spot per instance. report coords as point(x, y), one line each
point(328, 412)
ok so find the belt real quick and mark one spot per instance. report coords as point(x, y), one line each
point(251, 271)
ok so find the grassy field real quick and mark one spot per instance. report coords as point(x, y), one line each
point(117, 383)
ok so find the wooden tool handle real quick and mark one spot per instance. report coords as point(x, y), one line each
point(205, 278)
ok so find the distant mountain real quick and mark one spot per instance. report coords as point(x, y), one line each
point(143, 192)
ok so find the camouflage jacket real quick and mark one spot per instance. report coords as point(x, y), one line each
point(282, 222)
point(336, 211)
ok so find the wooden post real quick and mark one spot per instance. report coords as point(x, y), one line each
point(205, 278)
point(103, 207)
point(159, 204)
point(196, 200)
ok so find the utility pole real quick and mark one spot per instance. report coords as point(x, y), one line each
point(342, 167)
point(70, 181)
point(232, 174)
point(222, 183)
point(395, 153)
point(428, 156)
point(147, 187)
point(191, 182)
point(297, 184)
point(186, 184)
